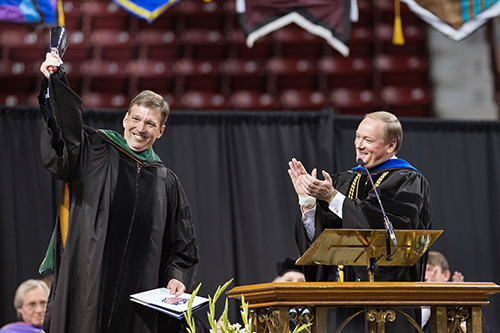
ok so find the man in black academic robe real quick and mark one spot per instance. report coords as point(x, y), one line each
point(124, 225)
point(347, 200)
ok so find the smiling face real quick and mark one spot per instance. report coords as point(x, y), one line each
point(370, 145)
point(142, 127)
point(34, 305)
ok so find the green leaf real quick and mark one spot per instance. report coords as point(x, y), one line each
point(211, 310)
point(301, 328)
point(188, 314)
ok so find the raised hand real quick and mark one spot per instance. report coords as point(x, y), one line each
point(51, 60)
point(320, 189)
point(298, 175)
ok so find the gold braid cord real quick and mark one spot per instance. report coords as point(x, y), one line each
point(353, 191)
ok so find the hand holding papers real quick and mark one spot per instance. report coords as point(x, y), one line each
point(161, 300)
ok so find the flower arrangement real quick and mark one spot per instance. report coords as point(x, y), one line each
point(224, 325)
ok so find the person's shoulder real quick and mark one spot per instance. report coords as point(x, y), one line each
point(20, 327)
point(170, 176)
point(347, 173)
point(408, 172)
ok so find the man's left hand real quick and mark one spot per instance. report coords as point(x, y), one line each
point(176, 287)
point(320, 189)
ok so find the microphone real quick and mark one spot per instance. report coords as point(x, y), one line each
point(389, 229)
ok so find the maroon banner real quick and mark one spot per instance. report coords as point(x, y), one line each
point(328, 19)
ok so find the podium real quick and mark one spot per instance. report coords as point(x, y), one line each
point(360, 247)
point(453, 305)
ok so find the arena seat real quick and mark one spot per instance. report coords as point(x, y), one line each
point(80, 49)
point(196, 75)
point(253, 100)
point(415, 40)
point(291, 73)
point(13, 99)
point(295, 42)
point(96, 100)
point(21, 46)
point(154, 75)
point(241, 74)
point(204, 44)
point(383, 11)
point(105, 76)
point(237, 47)
point(407, 101)
point(203, 100)
point(195, 14)
point(18, 77)
point(167, 21)
point(72, 16)
point(158, 44)
point(399, 70)
point(345, 72)
point(294, 99)
point(113, 45)
point(361, 42)
point(103, 15)
point(365, 10)
point(354, 100)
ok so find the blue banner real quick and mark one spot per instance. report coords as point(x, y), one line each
point(147, 10)
point(28, 11)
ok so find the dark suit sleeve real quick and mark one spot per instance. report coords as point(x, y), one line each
point(180, 251)
point(62, 127)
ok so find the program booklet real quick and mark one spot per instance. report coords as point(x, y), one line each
point(161, 300)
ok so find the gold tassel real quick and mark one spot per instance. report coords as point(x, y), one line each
point(60, 13)
point(340, 270)
point(64, 213)
point(397, 37)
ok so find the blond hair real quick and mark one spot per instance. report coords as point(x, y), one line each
point(392, 130)
point(151, 100)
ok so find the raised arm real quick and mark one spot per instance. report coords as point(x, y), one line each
point(61, 109)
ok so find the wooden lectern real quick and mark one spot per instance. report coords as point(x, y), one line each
point(453, 305)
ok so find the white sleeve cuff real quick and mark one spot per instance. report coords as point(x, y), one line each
point(336, 204)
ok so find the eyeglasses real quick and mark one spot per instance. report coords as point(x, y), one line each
point(33, 305)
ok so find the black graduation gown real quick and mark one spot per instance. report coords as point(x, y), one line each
point(130, 226)
point(405, 196)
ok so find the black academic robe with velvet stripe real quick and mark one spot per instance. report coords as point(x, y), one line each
point(405, 196)
point(130, 226)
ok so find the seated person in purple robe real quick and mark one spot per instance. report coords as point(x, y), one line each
point(30, 302)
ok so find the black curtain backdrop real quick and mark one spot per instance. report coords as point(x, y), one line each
point(233, 166)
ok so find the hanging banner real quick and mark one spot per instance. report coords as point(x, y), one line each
point(455, 19)
point(329, 19)
point(35, 12)
point(148, 10)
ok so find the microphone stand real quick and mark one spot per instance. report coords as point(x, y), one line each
point(389, 229)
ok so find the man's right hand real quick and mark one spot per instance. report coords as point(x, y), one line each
point(51, 59)
point(298, 175)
